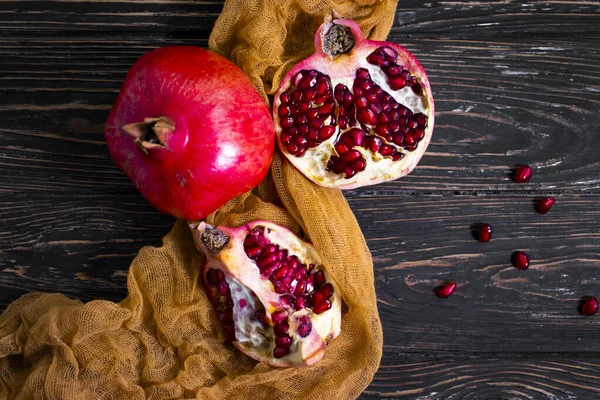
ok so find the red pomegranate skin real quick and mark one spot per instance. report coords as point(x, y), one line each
point(223, 140)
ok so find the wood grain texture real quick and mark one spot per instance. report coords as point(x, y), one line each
point(484, 377)
point(515, 82)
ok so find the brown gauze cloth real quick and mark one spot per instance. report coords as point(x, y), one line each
point(161, 342)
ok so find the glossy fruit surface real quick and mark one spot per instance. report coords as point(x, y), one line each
point(190, 130)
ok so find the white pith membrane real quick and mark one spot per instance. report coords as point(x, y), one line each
point(255, 293)
point(379, 168)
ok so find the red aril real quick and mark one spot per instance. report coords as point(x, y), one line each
point(522, 173)
point(545, 204)
point(484, 233)
point(521, 260)
point(190, 131)
point(355, 113)
point(292, 307)
point(590, 306)
point(446, 290)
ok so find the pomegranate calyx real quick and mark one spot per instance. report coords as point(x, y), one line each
point(214, 239)
point(152, 133)
point(337, 39)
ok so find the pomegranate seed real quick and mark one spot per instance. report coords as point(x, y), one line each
point(419, 133)
point(326, 290)
point(382, 129)
point(366, 116)
point(270, 268)
point(386, 150)
point(283, 341)
point(285, 98)
point(545, 204)
point(292, 148)
point(305, 327)
point(316, 123)
point(286, 122)
point(303, 106)
point(484, 233)
point(322, 86)
point(365, 85)
point(374, 144)
point(446, 291)
point(522, 174)
point(521, 260)
point(409, 139)
point(300, 303)
point(326, 132)
point(398, 139)
point(283, 110)
point(351, 156)
point(319, 277)
point(242, 303)
point(325, 109)
point(223, 288)
point(421, 120)
point(280, 273)
point(417, 88)
point(317, 297)
point(394, 127)
point(397, 156)
point(322, 306)
point(286, 138)
point(341, 148)
point(261, 316)
point(321, 99)
point(393, 70)
point(359, 165)
point(220, 275)
point(396, 83)
point(362, 73)
point(300, 141)
point(281, 328)
point(271, 249)
point(362, 102)
point(590, 307)
point(279, 317)
point(267, 259)
point(389, 53)
point(301, 285)
point(279, 352)
point(349, 172)
point(357, 136)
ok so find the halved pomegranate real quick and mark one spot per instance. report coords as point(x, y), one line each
point(355, 113)
point(270, 292)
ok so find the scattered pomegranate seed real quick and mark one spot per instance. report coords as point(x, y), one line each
point(484, 233)
point(545, 204)
point(522, 173)
point(446, 291)
point(521, 260)
point(590, 307)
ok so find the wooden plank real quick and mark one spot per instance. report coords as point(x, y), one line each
point(404, 376)
point(457, 19)
point(82, 246)
point(503, 103)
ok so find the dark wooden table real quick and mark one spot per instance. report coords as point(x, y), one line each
point(514, 83)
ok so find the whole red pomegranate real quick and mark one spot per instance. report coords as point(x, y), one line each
point(355, 113)
point(190, 131)
point(270, 292)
